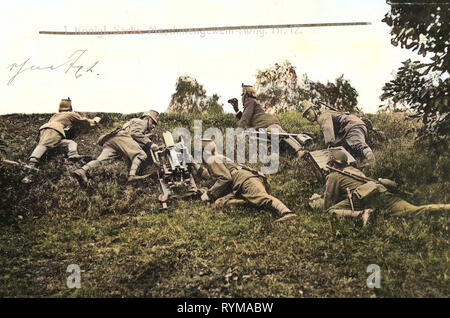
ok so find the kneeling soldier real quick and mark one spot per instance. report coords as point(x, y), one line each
point(349, 196)
point(339, 128)
point(238, 184)
point(55, 132)
point(255, 117)
point(130, 142)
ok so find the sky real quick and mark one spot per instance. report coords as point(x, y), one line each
point(135, 73)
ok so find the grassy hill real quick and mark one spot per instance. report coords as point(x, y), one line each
point(126, 246)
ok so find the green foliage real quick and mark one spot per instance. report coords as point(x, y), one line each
point(187, 88)
point(294, 122)
point(126, 246)
point(340, 94)
point(212, 106)
point(423, 87)
point(399, 157)
point(190, 97)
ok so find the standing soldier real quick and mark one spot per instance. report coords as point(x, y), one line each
point(254, 116)
point(238, 184)
point(129, 142)
point(56, 132)
point(349, 196)
point(339, 128)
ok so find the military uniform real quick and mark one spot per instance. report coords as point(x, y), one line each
point(349, 129)
point(238, 184)
point(54, 133)
point(128, 142)
point(254, 116)
point(367, 195)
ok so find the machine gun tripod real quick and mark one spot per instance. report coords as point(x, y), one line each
point(174, 169)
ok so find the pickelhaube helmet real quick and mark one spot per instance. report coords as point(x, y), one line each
point(65, 105)
point(249, 90)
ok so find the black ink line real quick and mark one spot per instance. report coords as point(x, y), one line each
point(418, 3)
point(223, 28)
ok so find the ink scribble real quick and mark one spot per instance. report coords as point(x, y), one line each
point(72, 63)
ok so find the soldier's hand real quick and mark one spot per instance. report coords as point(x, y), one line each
point(205, 196)
point(316, 202)
point(234, 103)
point(154, 147)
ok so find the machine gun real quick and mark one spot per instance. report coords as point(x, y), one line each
point(174, 168)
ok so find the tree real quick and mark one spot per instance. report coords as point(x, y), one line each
point(340, 94)
point(422, 26)
point(279, 90)
point(190, 96)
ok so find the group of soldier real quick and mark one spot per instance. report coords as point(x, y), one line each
point(347, 192)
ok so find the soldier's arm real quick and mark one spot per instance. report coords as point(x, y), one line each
point(139, 136)
point(223, 179)
point(79, 124)
point(326, 123)
point(331, 195)
point(84, 121)
point(142, 139)
point(200, 171)
point(246, 117)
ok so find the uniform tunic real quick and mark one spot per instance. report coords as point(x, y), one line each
point(336, 197)
point(236, 184)
point(254, 115)
point(55, 130)
point(137, 128)
point(335, 126)
point(127, 142)
point(53, 133)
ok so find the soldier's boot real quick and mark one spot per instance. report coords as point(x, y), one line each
point(36, 155)
point(282, 210)
point(80, 175)
point(135, 164)
point(31, 165)
point(364, 214)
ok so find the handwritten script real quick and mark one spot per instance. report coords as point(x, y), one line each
point(71, 64)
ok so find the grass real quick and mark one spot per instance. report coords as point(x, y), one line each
point(127, 247)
